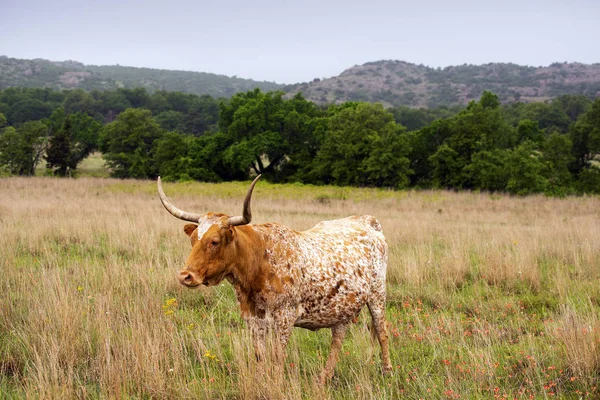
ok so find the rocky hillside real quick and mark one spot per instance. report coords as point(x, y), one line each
point(72, 74)
point(401, 83)
point(392, 83)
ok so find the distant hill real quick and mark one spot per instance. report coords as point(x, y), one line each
point(401, 83)
point(392, 83)
point(73, 74)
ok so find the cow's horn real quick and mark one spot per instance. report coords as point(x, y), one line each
point(176, 212)
point(247, 213)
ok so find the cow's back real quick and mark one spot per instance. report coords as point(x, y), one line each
point(340, 261)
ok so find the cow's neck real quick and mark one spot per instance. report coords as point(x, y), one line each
point(250, 272)
point(251, 269)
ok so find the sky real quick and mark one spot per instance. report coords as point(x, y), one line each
point(297, 41)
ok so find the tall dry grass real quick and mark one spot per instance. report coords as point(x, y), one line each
point(488, 296)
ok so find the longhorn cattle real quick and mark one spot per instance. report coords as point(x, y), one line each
point(319, 278)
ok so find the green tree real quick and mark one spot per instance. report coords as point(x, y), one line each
point(363, 146)
point(78, 100)
point(480, 127)
point(573, 105)
point(21, 150)
point(29, 110)
point(488, 169)
point(58, 153)
point(557, 157)
point(127, 144)
point(526, 170)
point(550, 116)
point(72, 137)
point(206, 154)
point(529, 130)
point(447, 167)
point(424, 143)
point(202, 116)
point(171, 158)
point(85, 136)
point(171, 120)
point(266, 131)
point(585, 135)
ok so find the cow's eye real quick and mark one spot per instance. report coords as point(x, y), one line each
point(214, 242)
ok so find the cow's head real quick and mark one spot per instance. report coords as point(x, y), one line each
point(213, 256)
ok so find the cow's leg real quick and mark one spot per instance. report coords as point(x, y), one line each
point(283, 323)
point(376, 306)
point(337, 338)
point(258, 329)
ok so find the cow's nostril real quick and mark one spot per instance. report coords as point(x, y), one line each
point(185, 277)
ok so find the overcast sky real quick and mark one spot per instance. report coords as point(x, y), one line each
point(289, 42)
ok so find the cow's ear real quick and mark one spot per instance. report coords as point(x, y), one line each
point(189, 229)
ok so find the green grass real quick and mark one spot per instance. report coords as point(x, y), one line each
point(482, 302)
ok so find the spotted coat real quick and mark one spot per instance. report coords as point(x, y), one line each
point(319, 278)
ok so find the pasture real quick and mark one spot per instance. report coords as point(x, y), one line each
point(489, 296)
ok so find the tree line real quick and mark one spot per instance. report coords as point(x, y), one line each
point(520, 148)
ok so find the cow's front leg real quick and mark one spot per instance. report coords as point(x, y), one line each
point(283, 324)
point(259, 329)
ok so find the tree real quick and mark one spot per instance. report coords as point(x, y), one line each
point(266, 131)
point(479, 127)
point(127, 144)
point(585, 135)
point(58, 154)
point(171, 120)
point(363, 146)
point(529, 130)
point(170, 156)
point(424, 143)
point(21, 150)
point(548, 115)
point(72, 137)
point(202, 116)
point(488, 169)
point(447, 167)
point(526, 170)
point(78, 100)
point(557, 157)
point(29, 110)
point(573, 105)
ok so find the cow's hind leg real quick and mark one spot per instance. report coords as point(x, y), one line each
point(337, 338)
point(376, 306)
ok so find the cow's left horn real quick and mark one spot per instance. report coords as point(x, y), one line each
point(176, 212)
point(247, 213)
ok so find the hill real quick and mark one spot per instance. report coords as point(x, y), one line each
point(395, 83)
point(73, 74)
point(390, 82)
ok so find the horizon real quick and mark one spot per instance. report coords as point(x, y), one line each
point(292, 43)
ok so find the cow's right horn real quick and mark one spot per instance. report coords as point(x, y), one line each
point(176, 212)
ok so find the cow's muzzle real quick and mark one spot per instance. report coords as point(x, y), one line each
point(186, 278)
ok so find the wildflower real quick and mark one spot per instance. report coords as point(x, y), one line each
point(79, 288)
point(170, 306)
point(207, 354)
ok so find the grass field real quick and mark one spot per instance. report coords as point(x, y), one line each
point(489, 296)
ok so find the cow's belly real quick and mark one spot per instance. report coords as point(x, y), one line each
point(322, 312)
